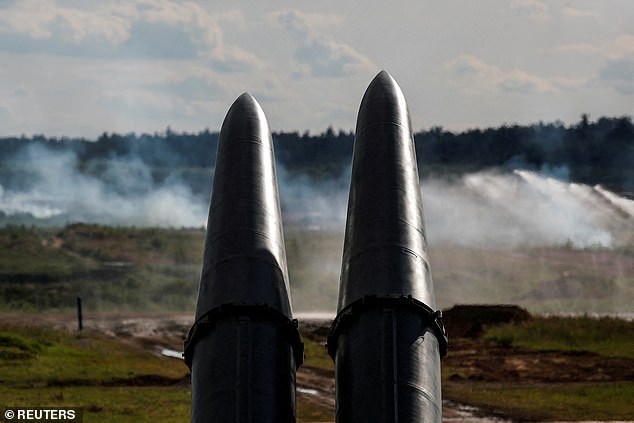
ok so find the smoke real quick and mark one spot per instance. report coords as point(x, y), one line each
point(522, 208)
point(484, 209)
point(119, 191)
point(478, 209)
point(314, 204)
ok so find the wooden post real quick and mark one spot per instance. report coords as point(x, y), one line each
point(80, 323)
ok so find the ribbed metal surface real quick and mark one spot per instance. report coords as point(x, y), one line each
point(243, 349)
point(385, 339)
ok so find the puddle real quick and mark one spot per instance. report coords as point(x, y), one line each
point(453, 412)
point(309, 391)
point(171, 353)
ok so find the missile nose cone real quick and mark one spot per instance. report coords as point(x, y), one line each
point(245, 118)
point(244, 348)
point(386, 340)
point(385, 249)
point(383, 103)
point(244, 260)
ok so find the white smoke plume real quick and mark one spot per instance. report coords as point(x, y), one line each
point(123, 193)
point(523, 208)
point(478, 209)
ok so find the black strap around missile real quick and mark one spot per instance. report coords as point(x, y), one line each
point(433, 318)
point(205, 323)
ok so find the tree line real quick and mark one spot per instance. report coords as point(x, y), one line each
point(590, 152)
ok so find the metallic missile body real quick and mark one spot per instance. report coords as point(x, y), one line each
point(244, 348)
point(387, 338)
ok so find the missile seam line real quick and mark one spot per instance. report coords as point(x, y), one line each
point(367, 126)
point(422, 392)
point(231, 234)
point(417, 228)
point(424, 256)
point(261, 141)
point(249, 256)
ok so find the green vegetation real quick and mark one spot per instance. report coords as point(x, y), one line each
point(316, 355)
point(606, 336)
point(41, 357)
point(566, 402)
point(154, 269)
point(108, 380)
point(542, 279)
point(111, 268)
point(32, 253)
point(108, 404)
point(313, 412)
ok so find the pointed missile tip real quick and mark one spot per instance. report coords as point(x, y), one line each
point(245, 96)
point(383, 102)
point(384, 82)
point(384, 75)
point(245, 116)
point(245, 101)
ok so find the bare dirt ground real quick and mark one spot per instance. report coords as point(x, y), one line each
point(474, 360)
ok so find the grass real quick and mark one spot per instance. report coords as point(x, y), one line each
point(47, 368)
point(39, 357)
point(19, 246)
point(311, 412)
point(604, 336)
point(109, 267)
point(599, 401)
point(315, 355)
point(107, 404)
point(152, 269)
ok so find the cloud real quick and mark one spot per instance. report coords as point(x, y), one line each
point(616, 48)
point(476, 76)
point(619, 74)
point(195, 88)
point(531, 9)
point(574, 12)
point(155, 29)
point(44, 19)
point(5, 114)
point(318, 53)
point(617, 69)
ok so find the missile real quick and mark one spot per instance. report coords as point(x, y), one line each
point(244, 347)
point(387, 338)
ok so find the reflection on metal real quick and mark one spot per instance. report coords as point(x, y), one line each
point(387, 338)
point(244, 347)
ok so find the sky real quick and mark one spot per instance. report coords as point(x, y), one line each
point(82, 67)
